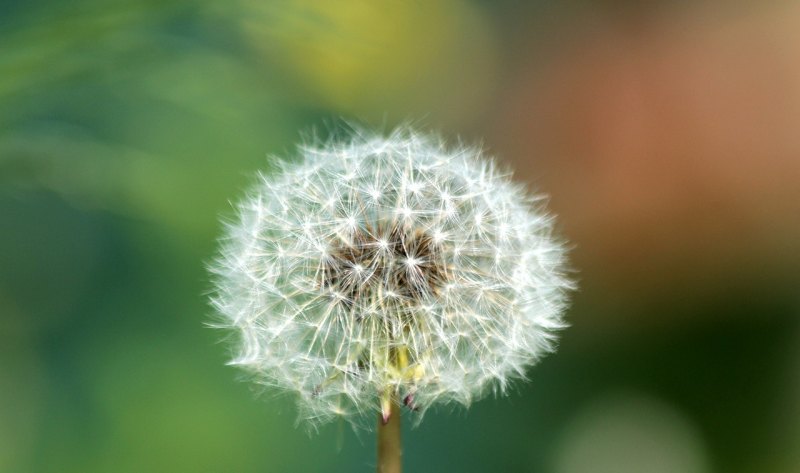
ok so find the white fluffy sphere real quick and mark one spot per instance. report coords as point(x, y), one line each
point(389, 268)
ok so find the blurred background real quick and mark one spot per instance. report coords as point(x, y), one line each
point(667, 134)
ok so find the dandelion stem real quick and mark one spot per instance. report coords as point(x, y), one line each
point(389, 449)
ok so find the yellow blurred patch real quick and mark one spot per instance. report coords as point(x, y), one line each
point(378, 57)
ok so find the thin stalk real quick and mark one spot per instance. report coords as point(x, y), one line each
point(389, 449)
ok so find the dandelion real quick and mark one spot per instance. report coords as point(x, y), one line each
point(381, 272)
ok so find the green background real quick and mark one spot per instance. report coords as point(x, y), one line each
point(664, 132)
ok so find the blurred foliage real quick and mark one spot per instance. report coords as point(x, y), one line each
point(361, 56)
point(126, 127)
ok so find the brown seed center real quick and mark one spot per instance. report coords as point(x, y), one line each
point(384, 265)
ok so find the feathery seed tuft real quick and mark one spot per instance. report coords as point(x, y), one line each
point(389, 268)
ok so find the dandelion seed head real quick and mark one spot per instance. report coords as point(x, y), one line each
point(389, 264)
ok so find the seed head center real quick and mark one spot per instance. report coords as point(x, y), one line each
point(384, 265)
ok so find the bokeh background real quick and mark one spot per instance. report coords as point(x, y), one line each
point(667, 134)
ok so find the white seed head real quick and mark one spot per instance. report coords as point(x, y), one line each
point(387, 268)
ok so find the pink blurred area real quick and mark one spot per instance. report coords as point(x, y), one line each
point(670, 143)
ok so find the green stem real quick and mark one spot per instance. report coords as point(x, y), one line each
point(389, 450)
